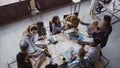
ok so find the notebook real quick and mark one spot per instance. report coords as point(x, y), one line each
point(53, 40)
point(66, 53)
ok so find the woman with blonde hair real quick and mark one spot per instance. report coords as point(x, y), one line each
point(28, 38)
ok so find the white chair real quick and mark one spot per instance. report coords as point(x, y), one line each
point(74, 7)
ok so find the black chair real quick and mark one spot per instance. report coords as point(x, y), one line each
point(65, 16)
point(50, 26)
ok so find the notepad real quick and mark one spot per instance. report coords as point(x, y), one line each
point(66, 53)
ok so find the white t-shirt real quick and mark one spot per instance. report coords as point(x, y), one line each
point(94, 4)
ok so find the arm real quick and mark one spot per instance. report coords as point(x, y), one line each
point(83, 23)
point(33, 46)
point(66, 20)
point(39, 62)
point(83, 43)
point(56, 29)
point(43, 34)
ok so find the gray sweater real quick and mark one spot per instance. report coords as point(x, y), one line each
point(29, 39)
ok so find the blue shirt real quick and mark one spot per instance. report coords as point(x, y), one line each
point(56, 28)
point(79, 63)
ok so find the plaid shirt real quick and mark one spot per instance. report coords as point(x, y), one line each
point(79, 63)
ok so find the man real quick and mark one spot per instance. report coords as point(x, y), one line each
point(72, 21)
point(79, 61)
point(22, 58)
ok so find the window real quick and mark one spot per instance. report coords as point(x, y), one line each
point(5, 2)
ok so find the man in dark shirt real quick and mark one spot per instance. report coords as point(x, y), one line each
point(22, 60)
point(102, 36)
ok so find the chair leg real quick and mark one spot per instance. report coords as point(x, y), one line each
point(11, 63)
point(108, 61)
point(8, 65)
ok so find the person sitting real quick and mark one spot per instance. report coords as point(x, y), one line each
point(22, 60)
point(93, 54)
point(28, 38)
point(84, 59)
point(41, 30)
point(71, 21)
point(56, 25)
point(105, 30)
point(78, 61)
point(90, 26)
point(101, 36)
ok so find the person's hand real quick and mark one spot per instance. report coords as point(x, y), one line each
point(91, 13)
point(89, 36)
point(81, 43)
point(42, 37)
point(47, 53)
point(68, 22)
point(71, 54)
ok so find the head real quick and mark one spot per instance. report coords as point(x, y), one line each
point(81, 52)
point(106, 21)
point(93, 25)
point(32, 29)
point(21, 56)
point(74, 17)
point(23, 46)
point(55, 19)
point(76, 13)
point(40, 24)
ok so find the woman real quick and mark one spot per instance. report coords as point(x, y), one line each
point(106, 30)
point(101, 36)
point(41, 30)
point(28, 38)
point(56, 25)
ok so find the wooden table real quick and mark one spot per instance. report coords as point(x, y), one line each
point(57, 50)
